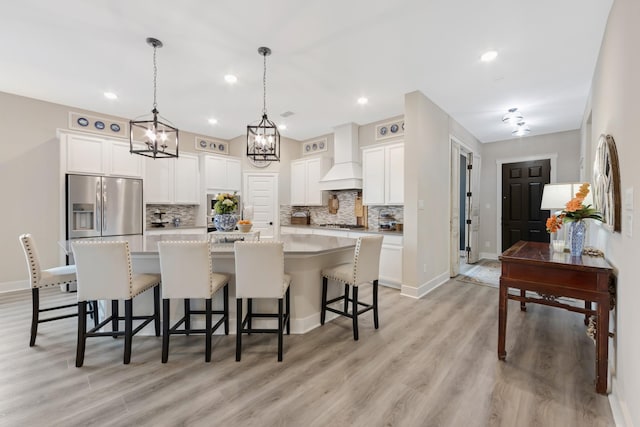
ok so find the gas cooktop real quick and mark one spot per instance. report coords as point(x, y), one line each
point(342, 226)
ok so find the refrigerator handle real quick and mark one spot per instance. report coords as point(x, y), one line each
point(104, 205)
point(98, 208)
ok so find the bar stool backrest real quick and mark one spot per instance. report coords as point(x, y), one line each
point(33, 262)
point(186, 269)
point(259, 269)
point(103, 270)
point(366, 261)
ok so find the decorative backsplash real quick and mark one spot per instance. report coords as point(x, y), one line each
point(345, 214)
point(186, 213)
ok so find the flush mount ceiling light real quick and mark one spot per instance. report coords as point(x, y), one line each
point(489, 56)
point(282, 126)
point(521, 130)
point(213, 121)
point(160, 137)
point(363, 100)
point(230, 78)
point(512, 117)
point(110, 95)
point(263, 138)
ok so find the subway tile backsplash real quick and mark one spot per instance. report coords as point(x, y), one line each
point(345, 214)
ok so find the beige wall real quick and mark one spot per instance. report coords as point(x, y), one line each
point(615, 110)
point(565, 146)
point(426, 162)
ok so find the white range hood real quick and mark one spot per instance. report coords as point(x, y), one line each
point(346, 172)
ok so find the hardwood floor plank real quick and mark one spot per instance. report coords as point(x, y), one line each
point(433, 362)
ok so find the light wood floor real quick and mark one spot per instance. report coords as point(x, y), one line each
point(432, 363)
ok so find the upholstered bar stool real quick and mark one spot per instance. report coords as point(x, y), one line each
point(260, 274)
point(363, 270)
point(39, 278)
point(187, 273)
point(104, 273)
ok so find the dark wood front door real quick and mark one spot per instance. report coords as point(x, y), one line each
point(522, 185)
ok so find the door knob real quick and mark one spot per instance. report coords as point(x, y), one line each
point(270, 222)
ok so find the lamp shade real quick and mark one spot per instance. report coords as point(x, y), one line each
point(556, 196)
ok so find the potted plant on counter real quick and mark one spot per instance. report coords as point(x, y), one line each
point(225, 208)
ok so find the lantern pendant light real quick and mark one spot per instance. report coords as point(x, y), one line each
point(160, 137)
point(263, 137)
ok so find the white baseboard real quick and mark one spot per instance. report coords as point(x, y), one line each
point(17, 285)
point(619, 408)
point(425, 288)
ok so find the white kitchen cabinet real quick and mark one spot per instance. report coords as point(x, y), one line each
point(172, 181)
point(222, 174)
point(100, 156)
point(187, 180)
point(123, 163)
point(305, 181)
point(383, 175)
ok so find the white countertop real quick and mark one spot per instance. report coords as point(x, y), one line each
point(293, 244)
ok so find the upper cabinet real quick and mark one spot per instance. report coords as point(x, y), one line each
point(222, 173)
point(99, 156)
point(383, 175)
point(172, 181)
point(305, 181)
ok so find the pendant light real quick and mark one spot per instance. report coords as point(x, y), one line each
point(512, 117)
point(263, 137)
point(160, 137)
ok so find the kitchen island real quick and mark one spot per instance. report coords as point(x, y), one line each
point(304, 257)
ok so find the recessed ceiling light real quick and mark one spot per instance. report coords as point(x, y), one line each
point(230, 78)
point(110, 95)
point(489, 56)
point(362, 100)
point(213, 121)
point(282, 126)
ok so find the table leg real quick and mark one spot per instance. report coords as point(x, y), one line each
point(523, 305)
point(602, 345)
point(587, 306)
point(502, 321)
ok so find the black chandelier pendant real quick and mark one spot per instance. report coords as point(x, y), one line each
point(158, 135)
point(263, 137)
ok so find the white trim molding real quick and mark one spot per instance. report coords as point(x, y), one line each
point(425, 288)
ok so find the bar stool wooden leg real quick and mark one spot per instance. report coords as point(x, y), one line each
point(280, 327)
point(225, 305)
point(35, 311)
point(128, 329)
point(82, 331)
point(375, 304)
point(249, 313)
point(208, 331)
point(355, 313)
point(323, 310)
point(156, 309)
point(187, 315)
point(114, 317)
point(238, 328)
point(288, 310)
point(346, 299)
point(166, 302)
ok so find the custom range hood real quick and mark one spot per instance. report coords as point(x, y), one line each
point(346, 172)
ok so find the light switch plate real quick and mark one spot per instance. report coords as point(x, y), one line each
point(628, 199)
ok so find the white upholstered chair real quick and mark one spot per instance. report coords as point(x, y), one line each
point(104, 273)
point(260, 274)
point(39, 278)
point(363, 270)
point(187, 272)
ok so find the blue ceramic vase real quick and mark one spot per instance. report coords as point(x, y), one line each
point(225, 222)
point(576, 234)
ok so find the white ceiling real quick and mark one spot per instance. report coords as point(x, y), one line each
point(326, 54)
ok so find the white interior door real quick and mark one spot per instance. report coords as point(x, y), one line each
point(454, 244)
point(261, 193)
point(474, 209)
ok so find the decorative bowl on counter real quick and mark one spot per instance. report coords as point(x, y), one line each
point(244, 227)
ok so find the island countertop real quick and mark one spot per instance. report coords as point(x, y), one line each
point(293, 244)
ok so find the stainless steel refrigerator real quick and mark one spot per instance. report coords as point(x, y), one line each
point(103, 206)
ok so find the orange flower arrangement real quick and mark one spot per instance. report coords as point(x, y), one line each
point(574, 210)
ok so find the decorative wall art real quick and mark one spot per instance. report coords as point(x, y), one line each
point(212, 145)
point(313, 147)
point(99, 125)
point(390, 130)
point(606, 182)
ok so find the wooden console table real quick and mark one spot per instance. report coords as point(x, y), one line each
point(533, 266)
